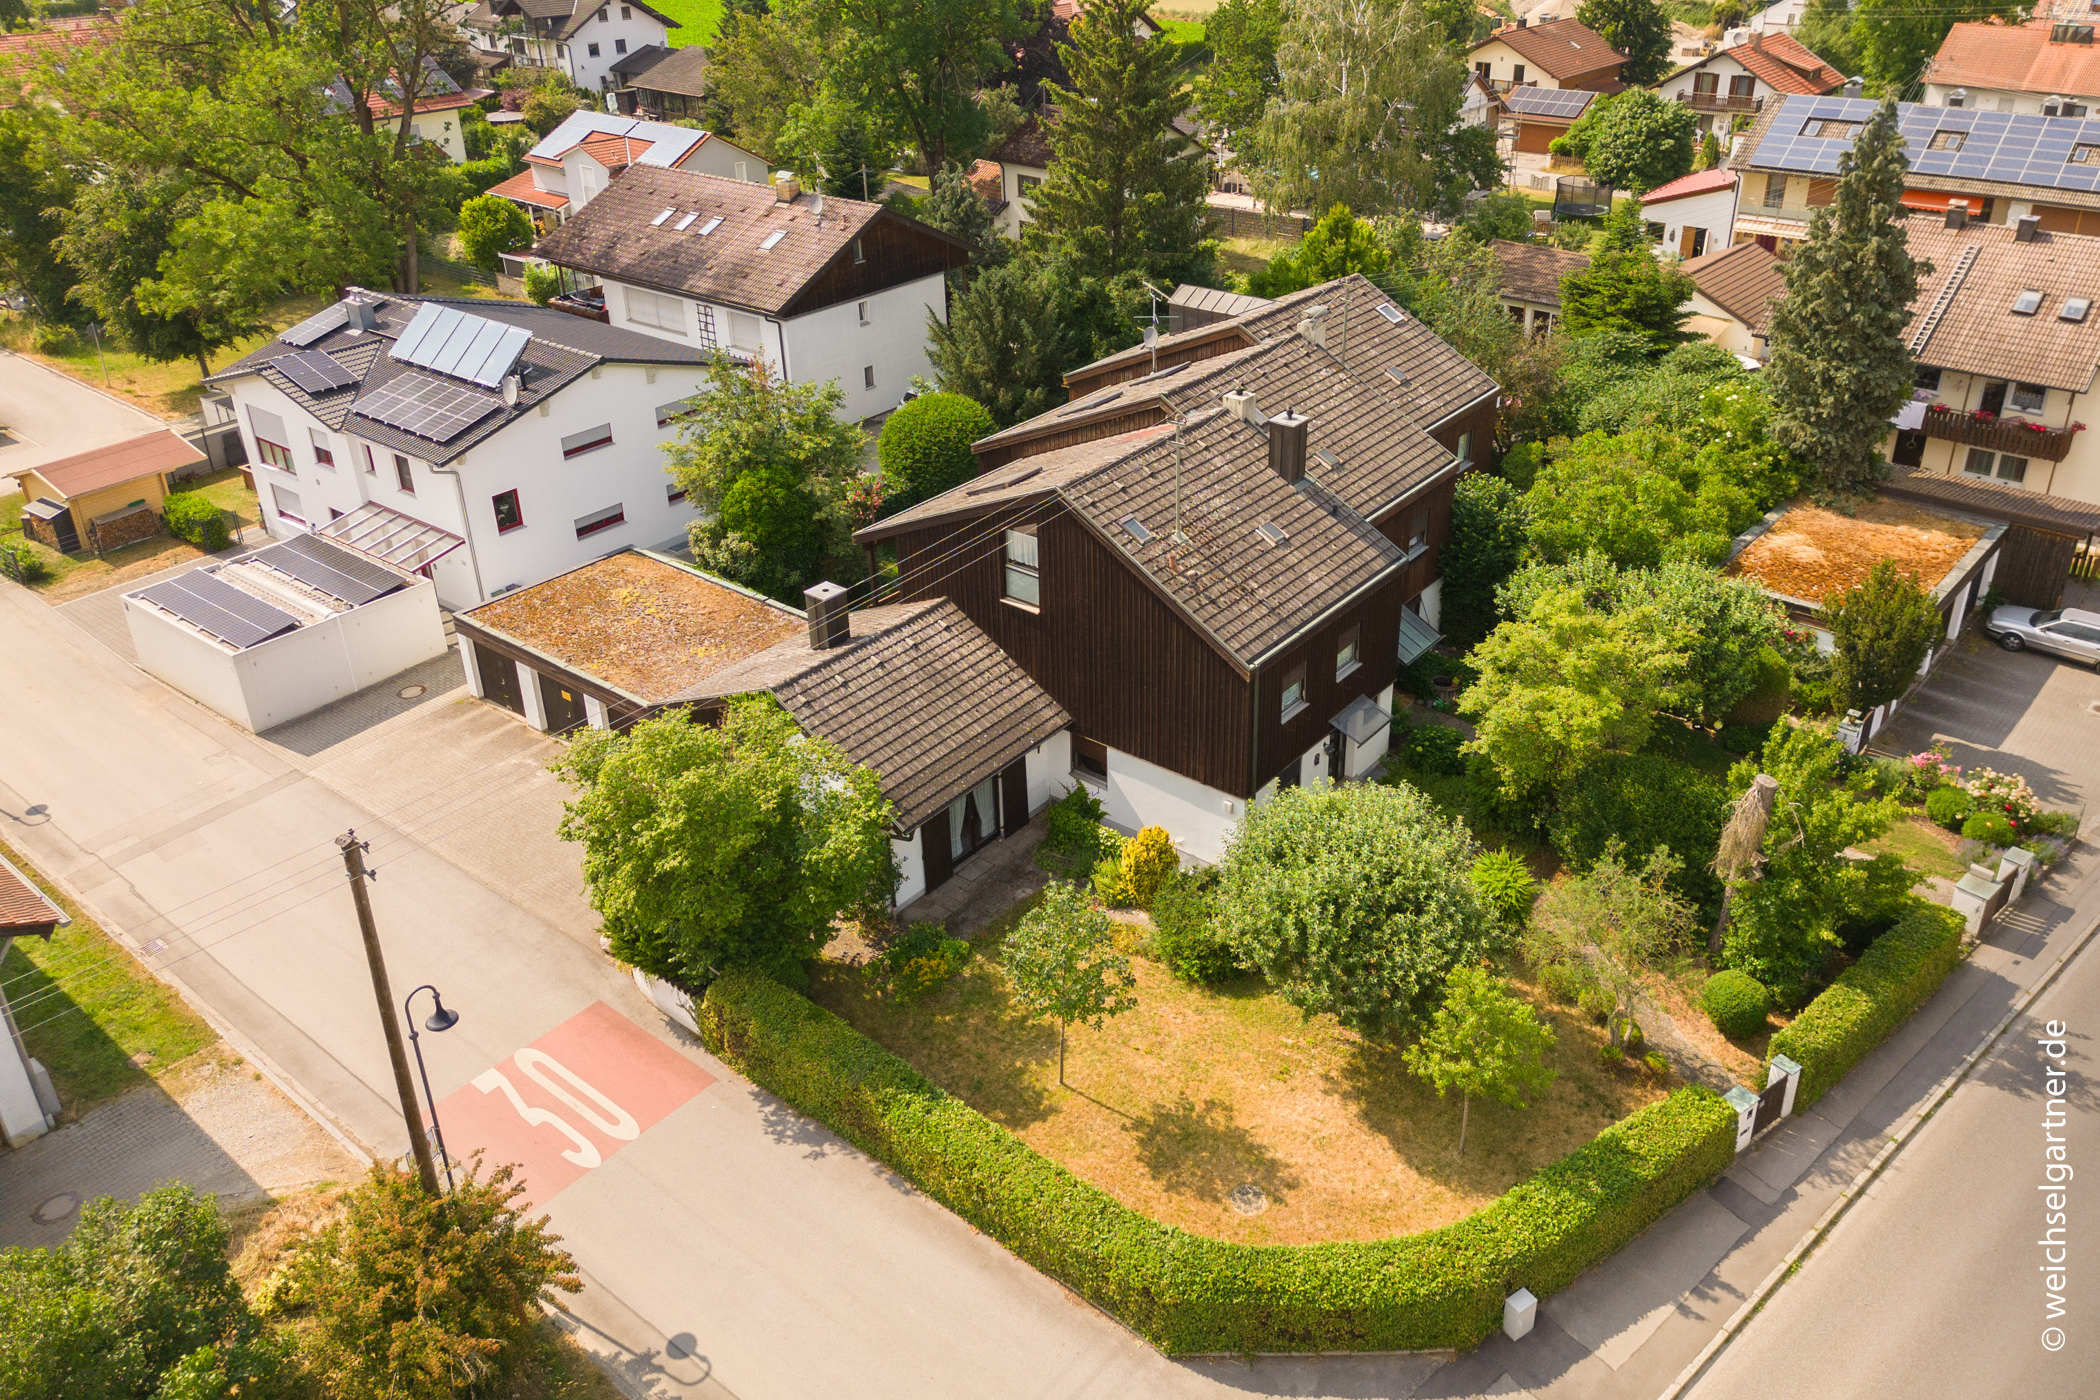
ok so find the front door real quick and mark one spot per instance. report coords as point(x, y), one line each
point(973, 820)
point(1993, 397)
point(499, 680)
point(564, 706)
point(1692, 242)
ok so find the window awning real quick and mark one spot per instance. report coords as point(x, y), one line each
point(1935, 202)
point(1361, 720)
point(1416, 636)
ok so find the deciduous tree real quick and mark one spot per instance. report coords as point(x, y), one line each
point(1487, 543)
point(1840, 368)
point(1484, 1040)
point(1339, 244)
point(1063, 963)
point(916, 65)
point(489, 227)
point(1234, 88)
point(1637, 28)
point(1641, 140)
point(1613, 923)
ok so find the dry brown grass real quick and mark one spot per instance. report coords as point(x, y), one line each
point(1676, 992)
point(1811, 553)
point(1198, 1091)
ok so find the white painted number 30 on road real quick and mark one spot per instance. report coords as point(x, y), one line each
point(570, 1088)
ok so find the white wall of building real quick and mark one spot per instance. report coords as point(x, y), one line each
point(1977, 99)
point(277, 681)
point(441, 129)
point(1714, 212)
point(1361, 760)
point(1708, 319)
point(1050, 770)
point(1431, 604)
point(22, 1116)
point(1138, 794)
point(911, 867)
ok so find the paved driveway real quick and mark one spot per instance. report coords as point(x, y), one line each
point(49, 415)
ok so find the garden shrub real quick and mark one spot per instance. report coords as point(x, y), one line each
point(1111, 883)
point(1645, 800)
point(1434, 748)
point(542, 282)
point(189, 516)
point(1185, 932)
point(1657, 1064)
point(923, 959)
point(21, 563)
point(1737, 1002)
point(1148, 859)
point(2064, 824)
point(1612, 1055)
point(1564, 982)
point(2006, 793)
point(1871, 998)
point(1743, 738)
point(1505, 883)
point(1185, 1293)
point(1949, 806)
point(1072, 845)
point(1989, 828)
point(924, 448)
point(1769, 692)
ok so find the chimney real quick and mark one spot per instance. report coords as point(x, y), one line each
point(2027, 228)
point(1313, 325)
point(828, 625)
point(510, 390)
point(1853, 86)
point(786, 188)
point(363, 315)
point(1287, 446)
point(1957, 213)
point(1241, 403)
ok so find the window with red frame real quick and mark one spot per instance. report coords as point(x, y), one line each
point(589, 440)
point(508, 514)
point(600, 520)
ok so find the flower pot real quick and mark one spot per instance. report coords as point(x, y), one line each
point(1446, 687)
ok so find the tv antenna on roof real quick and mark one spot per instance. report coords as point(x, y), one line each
point(1152, 331)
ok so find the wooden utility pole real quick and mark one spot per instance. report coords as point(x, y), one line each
point(354, 864)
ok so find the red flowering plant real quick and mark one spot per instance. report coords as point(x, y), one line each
point(2007, 793)
point(1984, 415)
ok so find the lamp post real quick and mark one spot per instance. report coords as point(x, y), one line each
point(440, 1020)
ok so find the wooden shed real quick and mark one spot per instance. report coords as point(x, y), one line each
point(107, 497)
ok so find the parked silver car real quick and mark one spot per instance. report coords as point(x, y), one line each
point(2065, 631)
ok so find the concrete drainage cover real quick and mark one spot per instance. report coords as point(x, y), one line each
point(58, 1208)
point(1249, 1199)
point(410, 692)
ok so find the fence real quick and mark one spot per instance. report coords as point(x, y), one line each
point(458, 271)
point(1234, 222)
point(2085, 564)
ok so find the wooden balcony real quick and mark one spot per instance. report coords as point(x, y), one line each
point(590, 305)
point(1998, 435)
point(1720, 102)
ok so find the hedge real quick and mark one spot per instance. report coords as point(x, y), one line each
point(1187, 1294)
point(1870, 999)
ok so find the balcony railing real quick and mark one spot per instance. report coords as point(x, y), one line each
point(588, 304)
point(1998, 435)
point(1720, 102)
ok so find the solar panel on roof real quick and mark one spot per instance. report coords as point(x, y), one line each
point(317, 325)
point(2013, 147)
point(451, 341)
point(314, 372)
point(429, 408)
point(215, 607)
point(331, 569)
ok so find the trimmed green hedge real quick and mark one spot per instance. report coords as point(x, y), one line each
point(1871, 998)
point(1187, 1294)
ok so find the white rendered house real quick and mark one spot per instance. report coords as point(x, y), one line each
point(580, 38)
point(578, 160)
point(534, 436)
point(820, 289)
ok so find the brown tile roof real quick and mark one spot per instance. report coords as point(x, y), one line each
point(988, 181)
point(1564, 48)
point(22, 905)
point(1019, 480)
point(648, 627)
point(1743, 281)
point(2013, 504)
point(1779, 61)
point(1963, 318)
point(919, 694)
point(1029, 145)
point(2018, 57)
point(150, 455)
point(520, 188)
point(613, 236)
point(681, 71)
point(1532, 271)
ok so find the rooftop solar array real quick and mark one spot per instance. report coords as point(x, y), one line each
point(314, 372)
point(216, 608)
point(1547, 102)
point(430, 408)
point(451, 341)
point(329, 568)
point(2013, 147)
point(317, 325)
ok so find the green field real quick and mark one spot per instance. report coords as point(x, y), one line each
point(700, 19)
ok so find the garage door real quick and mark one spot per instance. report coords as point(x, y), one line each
point(1532, 137)
point(499, 679)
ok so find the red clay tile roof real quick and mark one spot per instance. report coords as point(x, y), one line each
point(1978, 331)
point(613, 152)
point(22, 904)
point(521, 188)
point(1566, 48)
point(1784, 64)
point(1743, 281)
point(151, 455)
point(985, 178)
point(19, 51)
point(1685, 186)
point(2014, 56)
point(438, 102)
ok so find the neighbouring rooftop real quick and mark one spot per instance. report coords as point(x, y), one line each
point(641, 623)
point(1810, 553)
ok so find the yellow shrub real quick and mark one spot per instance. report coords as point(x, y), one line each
point(1148, 859)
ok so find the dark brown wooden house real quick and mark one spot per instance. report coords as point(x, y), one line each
point(1217, 568)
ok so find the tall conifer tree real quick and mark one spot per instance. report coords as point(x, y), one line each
point(1124, 194)
point(1839, 366)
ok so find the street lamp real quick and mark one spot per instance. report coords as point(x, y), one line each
point(440, 1020)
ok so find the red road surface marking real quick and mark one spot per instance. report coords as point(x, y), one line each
point(583, 1091)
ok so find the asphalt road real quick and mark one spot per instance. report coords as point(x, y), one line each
point(48, 416)
point(1933, 1284)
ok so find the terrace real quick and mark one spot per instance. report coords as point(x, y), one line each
point(1988, 430)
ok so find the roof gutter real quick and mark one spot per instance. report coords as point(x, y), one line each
point(1346, 601)
point(1468, 408)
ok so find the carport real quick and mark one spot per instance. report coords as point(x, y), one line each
point(2045, 537)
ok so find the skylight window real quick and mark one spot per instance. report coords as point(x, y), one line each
point(1271, 534)
point(1946, 141)
point(1399, 376)
point(2084, 155)
point(1328, 457)
point(1391, 312)
point(767, 244)
point(2027, 303)
point(710, 226)
point(683, 224)
point(1136, 527)
point(658, 221)
point(1831, 130)
point(2074, 308)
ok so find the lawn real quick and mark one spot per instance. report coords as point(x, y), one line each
point(1928, 848)
point(700, 18)
point(86, 1008)
point(1198, 1092)
point(1248, 255)
point(77, 575)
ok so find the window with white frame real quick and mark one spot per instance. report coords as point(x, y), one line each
point(1979, 462)
point(1024, 579)
point(649, 309)
point(2028, 398)
point(271, 438)
point(1294, 692)
point(591, 49)
point(867, 376)
point(2011, 468)
point(1465, 449)
point(619, 46)
point(1348, 650)
point(863, 308)
point(324, 455)
point(403, 476)
point(589, 440)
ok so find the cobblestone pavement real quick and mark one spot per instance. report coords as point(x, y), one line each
point(212, 1122)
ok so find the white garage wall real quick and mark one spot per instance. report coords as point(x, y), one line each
point(173, 653)
point(1050, 771)
point(1196, 815)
